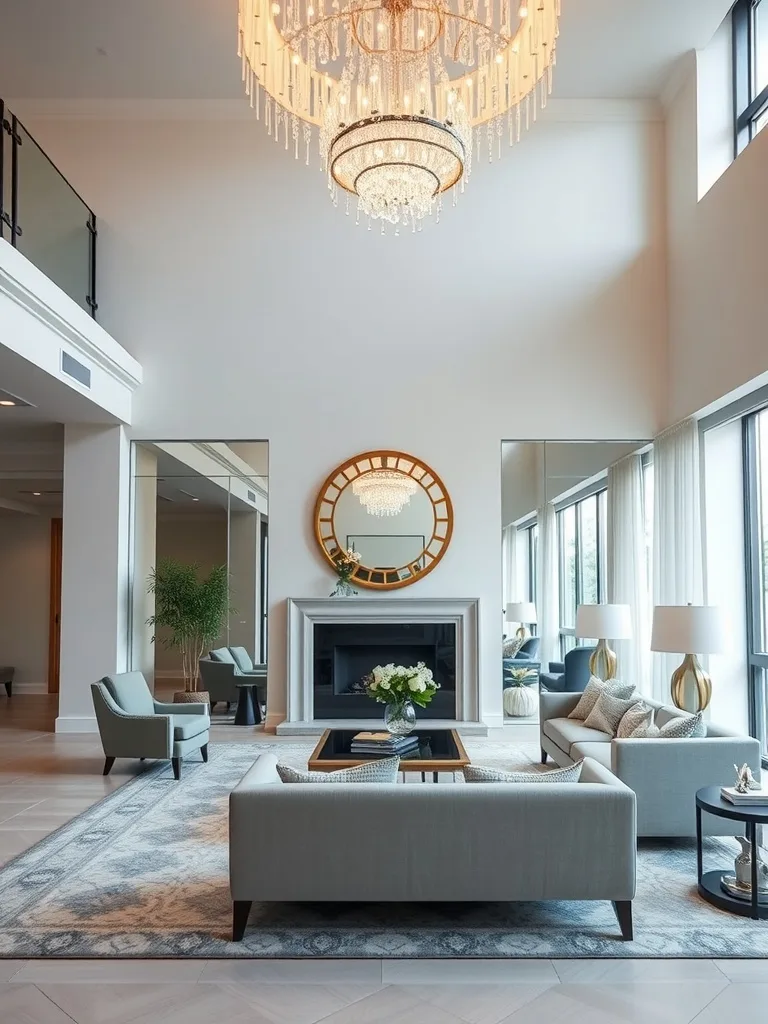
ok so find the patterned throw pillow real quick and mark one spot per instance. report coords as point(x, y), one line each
point(512, 646)
point(646, 732)
point(372, 771)
point(682, 728)
point(638, 718)
point(593, 690)
point(475, 773)
point(608, 712)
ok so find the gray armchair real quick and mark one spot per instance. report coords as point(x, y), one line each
point(570, 675)
point(133, 724)
point(240, 658)
point(219, 680)
point(235, 661)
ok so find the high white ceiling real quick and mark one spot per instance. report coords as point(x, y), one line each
point(185, 49)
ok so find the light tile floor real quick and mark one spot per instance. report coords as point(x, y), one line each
point(45, 780)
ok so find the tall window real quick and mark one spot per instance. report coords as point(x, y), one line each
point(750, 69)
point(756, 504)
point(582, 543)
point(528, 553)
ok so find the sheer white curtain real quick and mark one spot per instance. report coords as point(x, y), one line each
point(627, 567)
point(511, 568)
point(548, 594)
point(677, 550)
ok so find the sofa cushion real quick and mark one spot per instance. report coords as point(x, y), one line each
point(566, 732)
point(511, 646)
point(130, 692)
point(600, 752)
point(608, 712)
point(476, 773)
point(241, 659)
point(667, 714)
point(187, 726)
point(638, 717)
point(593, 690)
point(222, 654)
point(681, 728)
point(384, 770)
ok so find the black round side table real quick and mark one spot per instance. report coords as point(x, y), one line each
point(248, 709)
point(752, 815)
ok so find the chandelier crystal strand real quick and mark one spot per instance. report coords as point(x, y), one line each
point(396, 87)
point(384, 492)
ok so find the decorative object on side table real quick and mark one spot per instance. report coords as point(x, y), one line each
point(523, 613)
point(520, 698)
point(345, 563)
point(689, 630)
point(745, 780)
point(603, 622)
point(740, 884)
point(399, 688)
point(191, 612)
point(746, 891)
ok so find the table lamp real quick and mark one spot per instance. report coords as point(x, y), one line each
point(522, 612)
point(684, 629)
point(603, 622)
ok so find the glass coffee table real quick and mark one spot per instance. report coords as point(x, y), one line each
point(440, 750)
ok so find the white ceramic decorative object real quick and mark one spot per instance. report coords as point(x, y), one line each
point(520, 701)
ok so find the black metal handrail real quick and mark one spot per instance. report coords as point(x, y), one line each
point(43, 217)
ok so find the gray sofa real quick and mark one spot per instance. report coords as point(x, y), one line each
point(221, 670)
point(391, 843)
point(664, 773)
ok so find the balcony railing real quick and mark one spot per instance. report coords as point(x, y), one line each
point(43, 217)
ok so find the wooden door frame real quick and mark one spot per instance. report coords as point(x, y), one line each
point(54, 615)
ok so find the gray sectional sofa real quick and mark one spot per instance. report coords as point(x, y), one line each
point(392, 843)
point(664, 773)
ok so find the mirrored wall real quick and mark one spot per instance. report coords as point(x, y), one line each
point(203, 505)
point(576, 530)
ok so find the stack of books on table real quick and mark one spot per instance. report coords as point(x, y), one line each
point(384, 744)
point(752, 796)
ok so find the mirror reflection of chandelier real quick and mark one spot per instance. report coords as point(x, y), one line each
point(384, 492)
point(397, 89)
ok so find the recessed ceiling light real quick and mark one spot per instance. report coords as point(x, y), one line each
point(6, 401)
point(36, 493)
point(9, 401)
point(195, 499)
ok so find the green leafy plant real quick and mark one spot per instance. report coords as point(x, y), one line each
point(190, 609)
point(520, 676)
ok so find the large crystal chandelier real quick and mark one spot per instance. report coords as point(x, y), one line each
point(399, 90)
point(384, 492)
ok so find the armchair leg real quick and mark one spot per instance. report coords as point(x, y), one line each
point(9, 688)
point(204, 752)
point(108, 762)
point(213, 704)
point(623, 911)
point(240, 911)
point(544, 756)
point(176, 762)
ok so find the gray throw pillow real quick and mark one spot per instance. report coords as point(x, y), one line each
point(512, 646)
point(682, 728)
point(646, 732)
point(475, 773)
point(638, 718)
point(608, 712)
point(593, 690)
point(384, 770)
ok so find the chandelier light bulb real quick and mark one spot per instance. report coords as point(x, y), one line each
point(275, 9)
point(384, 492)
point(523, 12)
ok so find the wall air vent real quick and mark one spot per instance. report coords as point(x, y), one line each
point(77, 371)
point(252, 496)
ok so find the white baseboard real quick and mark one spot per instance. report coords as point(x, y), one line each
point(71, 723)
point(494, 721)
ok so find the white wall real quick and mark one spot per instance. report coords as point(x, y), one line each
point(25, 567)
point(535, 309)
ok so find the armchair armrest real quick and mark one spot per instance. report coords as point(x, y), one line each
point(196, 708)
point(556, 705)
point(557, 666)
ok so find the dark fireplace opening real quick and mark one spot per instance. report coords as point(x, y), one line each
point(346, 652)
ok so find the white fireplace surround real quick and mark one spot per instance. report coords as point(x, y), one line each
point(303, 613)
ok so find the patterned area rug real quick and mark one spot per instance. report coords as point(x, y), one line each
point(143, 873)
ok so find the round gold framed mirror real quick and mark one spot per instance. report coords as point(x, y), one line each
point(390, 508)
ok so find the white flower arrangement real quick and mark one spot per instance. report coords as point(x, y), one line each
point(394, 684)
point(346, 562)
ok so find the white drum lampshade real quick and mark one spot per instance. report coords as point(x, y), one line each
point(521, 612)
point(603, 622)
point(689, 630)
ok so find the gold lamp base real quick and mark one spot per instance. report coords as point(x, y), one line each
point(603, 662)
point(691, 686)
point(521, 633)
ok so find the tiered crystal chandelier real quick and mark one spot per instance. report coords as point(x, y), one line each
point(384, 492)
point(397, 89)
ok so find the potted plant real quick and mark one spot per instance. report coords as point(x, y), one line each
point(400, 688)
point(191, 611)
point(520, 699)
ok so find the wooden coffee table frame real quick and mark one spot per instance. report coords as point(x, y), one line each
point(315, 764)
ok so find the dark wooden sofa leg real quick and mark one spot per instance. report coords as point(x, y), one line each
point(9, 689)
point(544, 756)
point(240, 911)
point(204, 752)
point(176, 762)
point(108, 762)
point(623, 910)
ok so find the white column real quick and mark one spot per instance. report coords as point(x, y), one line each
point(94, 592)
point(244, 558)
point(143, 558)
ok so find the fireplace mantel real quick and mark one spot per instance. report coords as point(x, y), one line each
point(304, 613)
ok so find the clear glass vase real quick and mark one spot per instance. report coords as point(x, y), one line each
point(400, 718)
point(344, 588)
